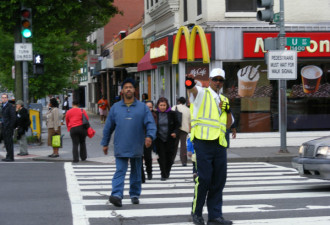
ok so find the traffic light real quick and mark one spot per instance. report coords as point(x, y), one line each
point(267, 14)
point(38, 64)
point(26, 22)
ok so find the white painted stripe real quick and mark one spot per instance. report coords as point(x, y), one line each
point(79, 175)
point(189, 179)
point(320, 220)
point(225, 197)
point(226, 190)
point(78, 209)
point(105, 184)
point(186, 211)
point(248, 164)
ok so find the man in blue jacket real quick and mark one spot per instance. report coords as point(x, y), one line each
point(135, 127)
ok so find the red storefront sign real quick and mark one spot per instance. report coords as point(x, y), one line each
point(198, 46)
point(253, 44)
point(161, 50)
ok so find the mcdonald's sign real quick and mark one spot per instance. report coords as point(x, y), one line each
point(193, 45)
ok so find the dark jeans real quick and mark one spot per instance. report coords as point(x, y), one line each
point(78, 135)
point(166, 152)
point(182, 137)
point(7, 135)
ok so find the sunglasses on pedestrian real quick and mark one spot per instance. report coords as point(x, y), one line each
point(218, 79)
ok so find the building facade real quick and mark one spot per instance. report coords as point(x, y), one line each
point(235, 41)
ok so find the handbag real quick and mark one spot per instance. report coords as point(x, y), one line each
point(90, 132)
point(56, 141)
point(85, 121)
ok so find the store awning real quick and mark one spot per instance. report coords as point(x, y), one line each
point(129, 50)
point(145, 63)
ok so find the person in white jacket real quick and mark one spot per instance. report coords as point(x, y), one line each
point(183, 130)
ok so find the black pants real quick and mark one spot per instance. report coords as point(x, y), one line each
point(7, 135)
point(147, 157)
point(166, 152)
point(78, 136)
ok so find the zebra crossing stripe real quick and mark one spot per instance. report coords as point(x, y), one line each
point(186, 211)
point(92, 181)
point(322, 220)
point(105, 184)
point(77, 207)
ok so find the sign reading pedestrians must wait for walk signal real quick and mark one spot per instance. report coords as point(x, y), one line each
point(282, 65)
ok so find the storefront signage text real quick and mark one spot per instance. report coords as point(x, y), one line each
point(253, 44)
point(160, 50)
point(157, 52)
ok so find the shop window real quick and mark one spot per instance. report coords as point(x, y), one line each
point(254, 98)
point(147, 3)
point(199, 7)
point(241, 5)
point(185, 11)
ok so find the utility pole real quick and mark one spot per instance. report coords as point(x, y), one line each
point(278, 43)
point(282, 106)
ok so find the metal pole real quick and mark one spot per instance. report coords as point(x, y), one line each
point(282, 86)
point(25, 81)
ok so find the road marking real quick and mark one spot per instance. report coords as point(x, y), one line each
point(320, 220)
point(246, 181)
point(186, 211)
point(78, 209)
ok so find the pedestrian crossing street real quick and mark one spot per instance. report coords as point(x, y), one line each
point(255, 193)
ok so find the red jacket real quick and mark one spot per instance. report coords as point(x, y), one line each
point(73, 117)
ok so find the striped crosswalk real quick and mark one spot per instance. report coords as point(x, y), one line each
point(255, 193)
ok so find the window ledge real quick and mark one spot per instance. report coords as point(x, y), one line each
point(240, 14)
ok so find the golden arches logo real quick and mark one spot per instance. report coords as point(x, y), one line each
point(190, 44)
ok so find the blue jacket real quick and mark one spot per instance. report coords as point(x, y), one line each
point(131, 125)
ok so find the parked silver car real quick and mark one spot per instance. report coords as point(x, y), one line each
point(314, 159)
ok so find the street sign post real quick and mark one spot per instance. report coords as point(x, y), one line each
point(276, 17)
point(23, 52)
point(298, 44)
point(282, 65)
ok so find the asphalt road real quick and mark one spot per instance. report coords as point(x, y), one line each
point(36, 193)
point(33, 194)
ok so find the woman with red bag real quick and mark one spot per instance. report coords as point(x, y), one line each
point(78, 133)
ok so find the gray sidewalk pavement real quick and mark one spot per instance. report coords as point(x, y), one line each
point(247, 147)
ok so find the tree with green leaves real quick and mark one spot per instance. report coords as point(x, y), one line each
point(59, 32)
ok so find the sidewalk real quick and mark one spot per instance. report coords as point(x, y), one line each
point(247, 147)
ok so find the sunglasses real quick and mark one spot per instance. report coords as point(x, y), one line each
point(219, 79)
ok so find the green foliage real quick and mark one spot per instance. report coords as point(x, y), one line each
point(6, 62)
point(59, 31)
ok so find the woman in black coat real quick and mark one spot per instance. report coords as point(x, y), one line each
point(167, 131)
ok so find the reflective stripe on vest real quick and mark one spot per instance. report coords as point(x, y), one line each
point(208, 124)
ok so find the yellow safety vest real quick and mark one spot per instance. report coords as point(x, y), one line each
point(208, 124)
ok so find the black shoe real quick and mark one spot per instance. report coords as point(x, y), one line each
point(51, 155)
point(22, 154)
point(198, 219)
point(75, 161)
point(149, 176)
point(8, 160)
point(219, 220)
point(116, 201)
point(54, 156)
point(135, 200)
point(184, 164)
point(163, 179)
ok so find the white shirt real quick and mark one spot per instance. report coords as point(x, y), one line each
point(199, 99)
